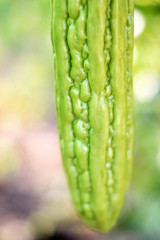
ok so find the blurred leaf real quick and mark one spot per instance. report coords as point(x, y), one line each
point(147, 2)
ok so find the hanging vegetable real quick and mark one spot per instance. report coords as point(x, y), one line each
point(92, 44)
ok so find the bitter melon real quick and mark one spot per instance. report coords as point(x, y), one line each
point(92, 47)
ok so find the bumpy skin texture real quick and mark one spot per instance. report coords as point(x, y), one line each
point(92, 46)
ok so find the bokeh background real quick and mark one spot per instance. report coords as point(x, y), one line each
point(34, 199)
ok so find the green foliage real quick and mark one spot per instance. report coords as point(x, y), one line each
point(147, 2)
point(143, 209)
point(147, 44)
point(26, 86)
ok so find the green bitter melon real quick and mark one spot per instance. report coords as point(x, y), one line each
point(92, 47)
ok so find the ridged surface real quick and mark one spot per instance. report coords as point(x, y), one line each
point(92, 45)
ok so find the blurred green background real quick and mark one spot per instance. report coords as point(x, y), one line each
point(34, 199)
